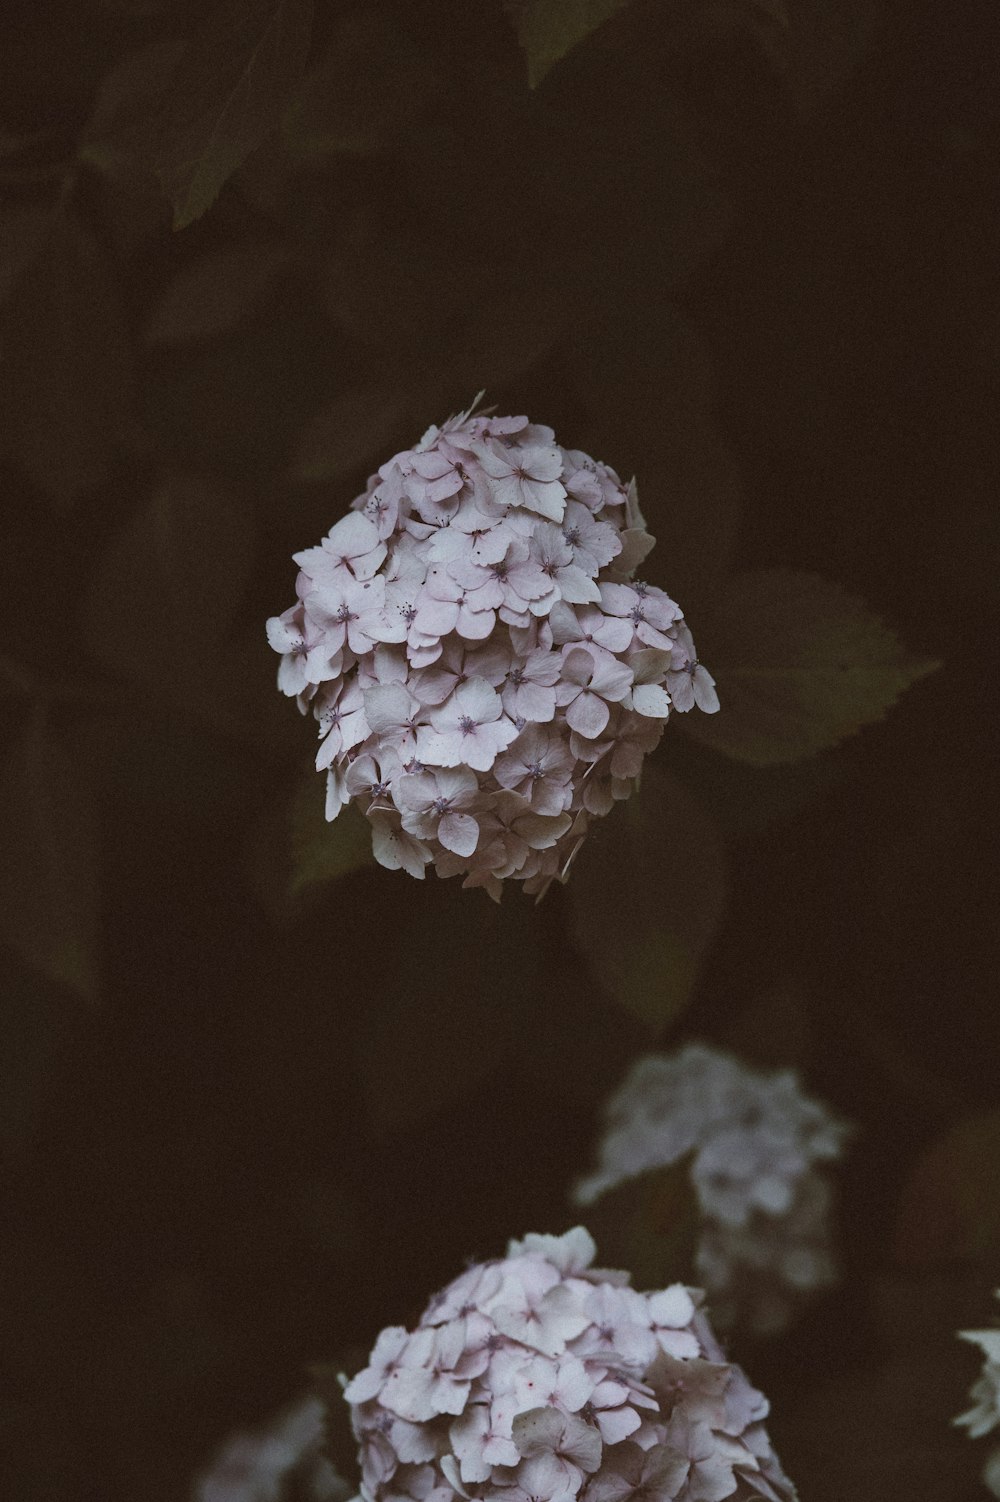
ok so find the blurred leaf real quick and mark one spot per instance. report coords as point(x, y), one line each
point(127, 96)
point(66, 380)
point(646, 896)
point(33, 1023)
point(170, 582)
point(293, 851)
point(949, 1208)
point(548, 29)
point(227, 94)
point(49, 883)
point(367, 58)
point(214, 293)
point(347, 432)
point(453, 995)
point(800, 665)
point(322, 851)
point(23, 227)
point(649, 1224)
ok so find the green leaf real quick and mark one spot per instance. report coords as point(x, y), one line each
point(548, 29)
point(323, 851)
point(168, 587)
point(646, 896)
point(800, 665)
point(215, 293)
point(66, 378)
point(227, 94)
point(49, 867)
point(293, 852)
point(949, 1209)
point(650, 1225)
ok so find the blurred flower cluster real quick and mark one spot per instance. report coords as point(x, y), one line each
point(984, 1415)
point(486, 672)
point(282, 1463)
point(540, 1379)
point(753, 1140)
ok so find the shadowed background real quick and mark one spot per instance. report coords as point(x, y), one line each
point(253, 1109)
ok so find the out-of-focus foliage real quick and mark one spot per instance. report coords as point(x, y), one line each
point(227, 92)
point(949, 1210)
point(646, 896)
point(258, 1096)
point(800, 666)
point(66, 380)
point(50, 895)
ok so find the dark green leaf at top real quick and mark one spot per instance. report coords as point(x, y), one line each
point(227, 94)
point(800, 665)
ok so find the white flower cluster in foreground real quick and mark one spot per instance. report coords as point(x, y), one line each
point(541, 1379)
point(282, 1463)
point(754, 1138)
point(984, 1415)
point(486, 671)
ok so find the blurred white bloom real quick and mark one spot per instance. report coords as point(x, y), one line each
point(754, 1139)
point(984, 1414)
point(281, 1463)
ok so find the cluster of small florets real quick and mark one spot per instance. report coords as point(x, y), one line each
point(754, 1138)
point(540, 1379)
point(486, 673)
point(280, 1463)
point(984, 1415)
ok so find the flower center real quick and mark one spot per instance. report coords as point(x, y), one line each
point(467, 724)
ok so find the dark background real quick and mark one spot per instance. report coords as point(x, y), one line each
point(756, 265)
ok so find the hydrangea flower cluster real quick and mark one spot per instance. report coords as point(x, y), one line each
point(486, 672)
point(281, 1463)
point(984, 1415)
point(540, 1379)
point(754, 1138)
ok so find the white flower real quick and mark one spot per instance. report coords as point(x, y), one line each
point(984, 1415)
point(482, 584)
point(542, 1379)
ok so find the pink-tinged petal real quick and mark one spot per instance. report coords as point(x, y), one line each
point(578, 665)
point(651, 700)
point(587, 715)
point(576, 587)
point(535, 703)
point(459, 833)
point(457, 783)
point(617, 1424)
point(336, 792)
point(387, 706)
point(436, 617)
point(475, 625)
point(478, 699)
point(614, 634)
point(705, 695)
point(439, 749)
point(612, 680)
point(397, 850)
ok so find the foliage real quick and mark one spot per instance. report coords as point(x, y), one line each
point(800, 666)
point(260, 1096)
